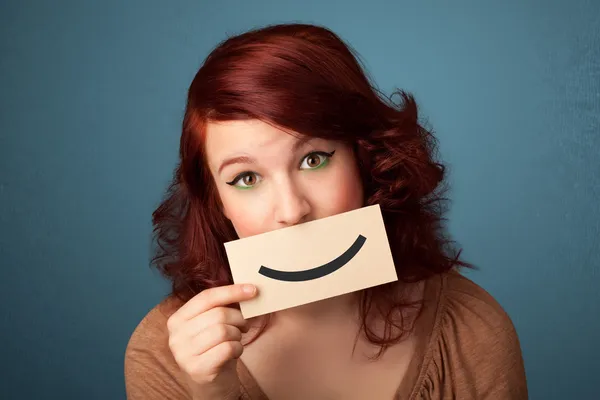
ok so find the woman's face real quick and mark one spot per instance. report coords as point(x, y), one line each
point(268, 179)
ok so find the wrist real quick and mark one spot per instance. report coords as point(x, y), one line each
point(218, 395)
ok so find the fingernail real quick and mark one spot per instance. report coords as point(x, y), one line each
point(249, 289)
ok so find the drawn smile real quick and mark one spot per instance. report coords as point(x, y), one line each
point(317, 272)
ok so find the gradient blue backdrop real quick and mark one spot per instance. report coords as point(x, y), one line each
point(92, 94)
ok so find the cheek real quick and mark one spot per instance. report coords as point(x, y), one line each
point(247, 219)
point(343, 193)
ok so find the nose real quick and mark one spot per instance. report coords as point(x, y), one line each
point(291, 205)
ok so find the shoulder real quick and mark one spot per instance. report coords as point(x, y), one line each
point(464, 300)
point(150, 369)
point(154, 324)
point(474, 351)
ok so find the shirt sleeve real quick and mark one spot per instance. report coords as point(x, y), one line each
point(476, 353)
point(151, 372)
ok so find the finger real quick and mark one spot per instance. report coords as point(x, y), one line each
point(215, 297)
point(215, 316)
point(213, 360)
point(213, 336)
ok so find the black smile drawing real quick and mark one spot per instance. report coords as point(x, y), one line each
point(317, 272)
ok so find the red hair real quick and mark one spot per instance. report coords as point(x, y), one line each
point(305, 79)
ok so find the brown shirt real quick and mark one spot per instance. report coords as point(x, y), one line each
point(467, 348)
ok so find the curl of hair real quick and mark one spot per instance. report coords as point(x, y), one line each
point(306, 80)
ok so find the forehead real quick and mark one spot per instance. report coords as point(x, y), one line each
point(228, 138)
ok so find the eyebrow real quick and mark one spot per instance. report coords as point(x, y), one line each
point(250, 160)
point(237, 160)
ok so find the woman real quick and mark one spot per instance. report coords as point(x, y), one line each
point(283, 127)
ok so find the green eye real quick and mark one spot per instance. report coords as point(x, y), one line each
point(312, 161)
point(245, 180)
point(315, 160)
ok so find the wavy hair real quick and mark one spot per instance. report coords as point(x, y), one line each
point(305, 79)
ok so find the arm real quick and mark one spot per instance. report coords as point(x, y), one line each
point(151, 373)
point(477, 354)
point(149, 377)
point(502, 374)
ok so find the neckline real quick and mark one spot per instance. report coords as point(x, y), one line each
point(425, 328)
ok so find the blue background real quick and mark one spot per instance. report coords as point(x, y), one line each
point(92, 96)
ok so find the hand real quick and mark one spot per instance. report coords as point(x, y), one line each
point(204, 337)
